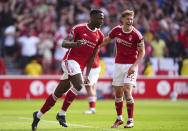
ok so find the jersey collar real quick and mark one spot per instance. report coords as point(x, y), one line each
point(90, 29)
point(122, 27)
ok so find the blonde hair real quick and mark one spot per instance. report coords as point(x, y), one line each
point(127, 12)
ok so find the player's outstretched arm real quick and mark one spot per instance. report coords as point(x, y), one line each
point(69, 42)
point(106, 41)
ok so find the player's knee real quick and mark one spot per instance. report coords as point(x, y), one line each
point(78, 87)
point(55, 97)
point(130, 100)
point(57, 94)
point(118, 99)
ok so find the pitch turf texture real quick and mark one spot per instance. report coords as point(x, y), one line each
point(150, 115)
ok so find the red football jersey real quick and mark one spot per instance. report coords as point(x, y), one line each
point(126, 44)
point(83, 53)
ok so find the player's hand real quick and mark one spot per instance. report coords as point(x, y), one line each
point(86, 80)
point(132, 70)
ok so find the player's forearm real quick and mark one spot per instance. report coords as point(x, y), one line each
point(106, 41)
point(90, 63)
point(141, 54)
point(69, 44)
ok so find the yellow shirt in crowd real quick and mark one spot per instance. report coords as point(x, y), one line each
point(158, 48)
point(184, 69)
point(33, 68)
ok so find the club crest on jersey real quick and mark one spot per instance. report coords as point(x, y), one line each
point(130, 37)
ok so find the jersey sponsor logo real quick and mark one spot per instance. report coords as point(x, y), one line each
point(123, 42)
point(89, 43)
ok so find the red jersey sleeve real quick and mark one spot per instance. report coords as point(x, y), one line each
point(140, 40)
point(112, 33)
point(74, 31)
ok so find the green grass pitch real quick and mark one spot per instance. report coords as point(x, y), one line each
point(149, 115)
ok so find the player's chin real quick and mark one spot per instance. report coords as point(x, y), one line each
point(98, 26)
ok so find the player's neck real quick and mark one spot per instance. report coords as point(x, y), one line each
point(91, 27)
point(127, 28)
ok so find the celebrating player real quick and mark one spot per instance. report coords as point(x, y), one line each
point(90, 87)
point(83, 43)
point(129, 52)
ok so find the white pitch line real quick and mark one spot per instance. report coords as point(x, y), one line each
point(78, 125)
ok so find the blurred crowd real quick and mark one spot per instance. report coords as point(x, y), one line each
point(32, 31)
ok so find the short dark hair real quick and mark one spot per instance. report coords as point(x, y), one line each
point(94, 12)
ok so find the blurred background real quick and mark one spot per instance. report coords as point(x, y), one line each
point(31, 33)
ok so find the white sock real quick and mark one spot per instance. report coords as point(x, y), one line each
point(120, 117)
point(62, 113)
point(130, 119)
point(39, 114)
point(92, 109)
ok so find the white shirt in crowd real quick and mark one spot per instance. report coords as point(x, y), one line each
point(28, 45)
point(10, 32)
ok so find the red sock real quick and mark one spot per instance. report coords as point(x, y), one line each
point(92, 101)
point(119, 107)
point(71, 95)
point(130, 108)
point(92, 104)
point(48, 104)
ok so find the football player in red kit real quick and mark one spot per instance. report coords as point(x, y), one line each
point(83, 43)
point(129, 52)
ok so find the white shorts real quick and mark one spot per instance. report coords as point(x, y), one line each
point(70, 68)
point(121, 75)
point(93, 75)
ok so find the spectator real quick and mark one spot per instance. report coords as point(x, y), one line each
point(59, 51)
point(148, 69)
point(158, 46)
point(175, 46)
point(33, 68)
point(28, 45)
point(184, 69)
point(45, 49)
point(10, 41)
point(183, 36)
